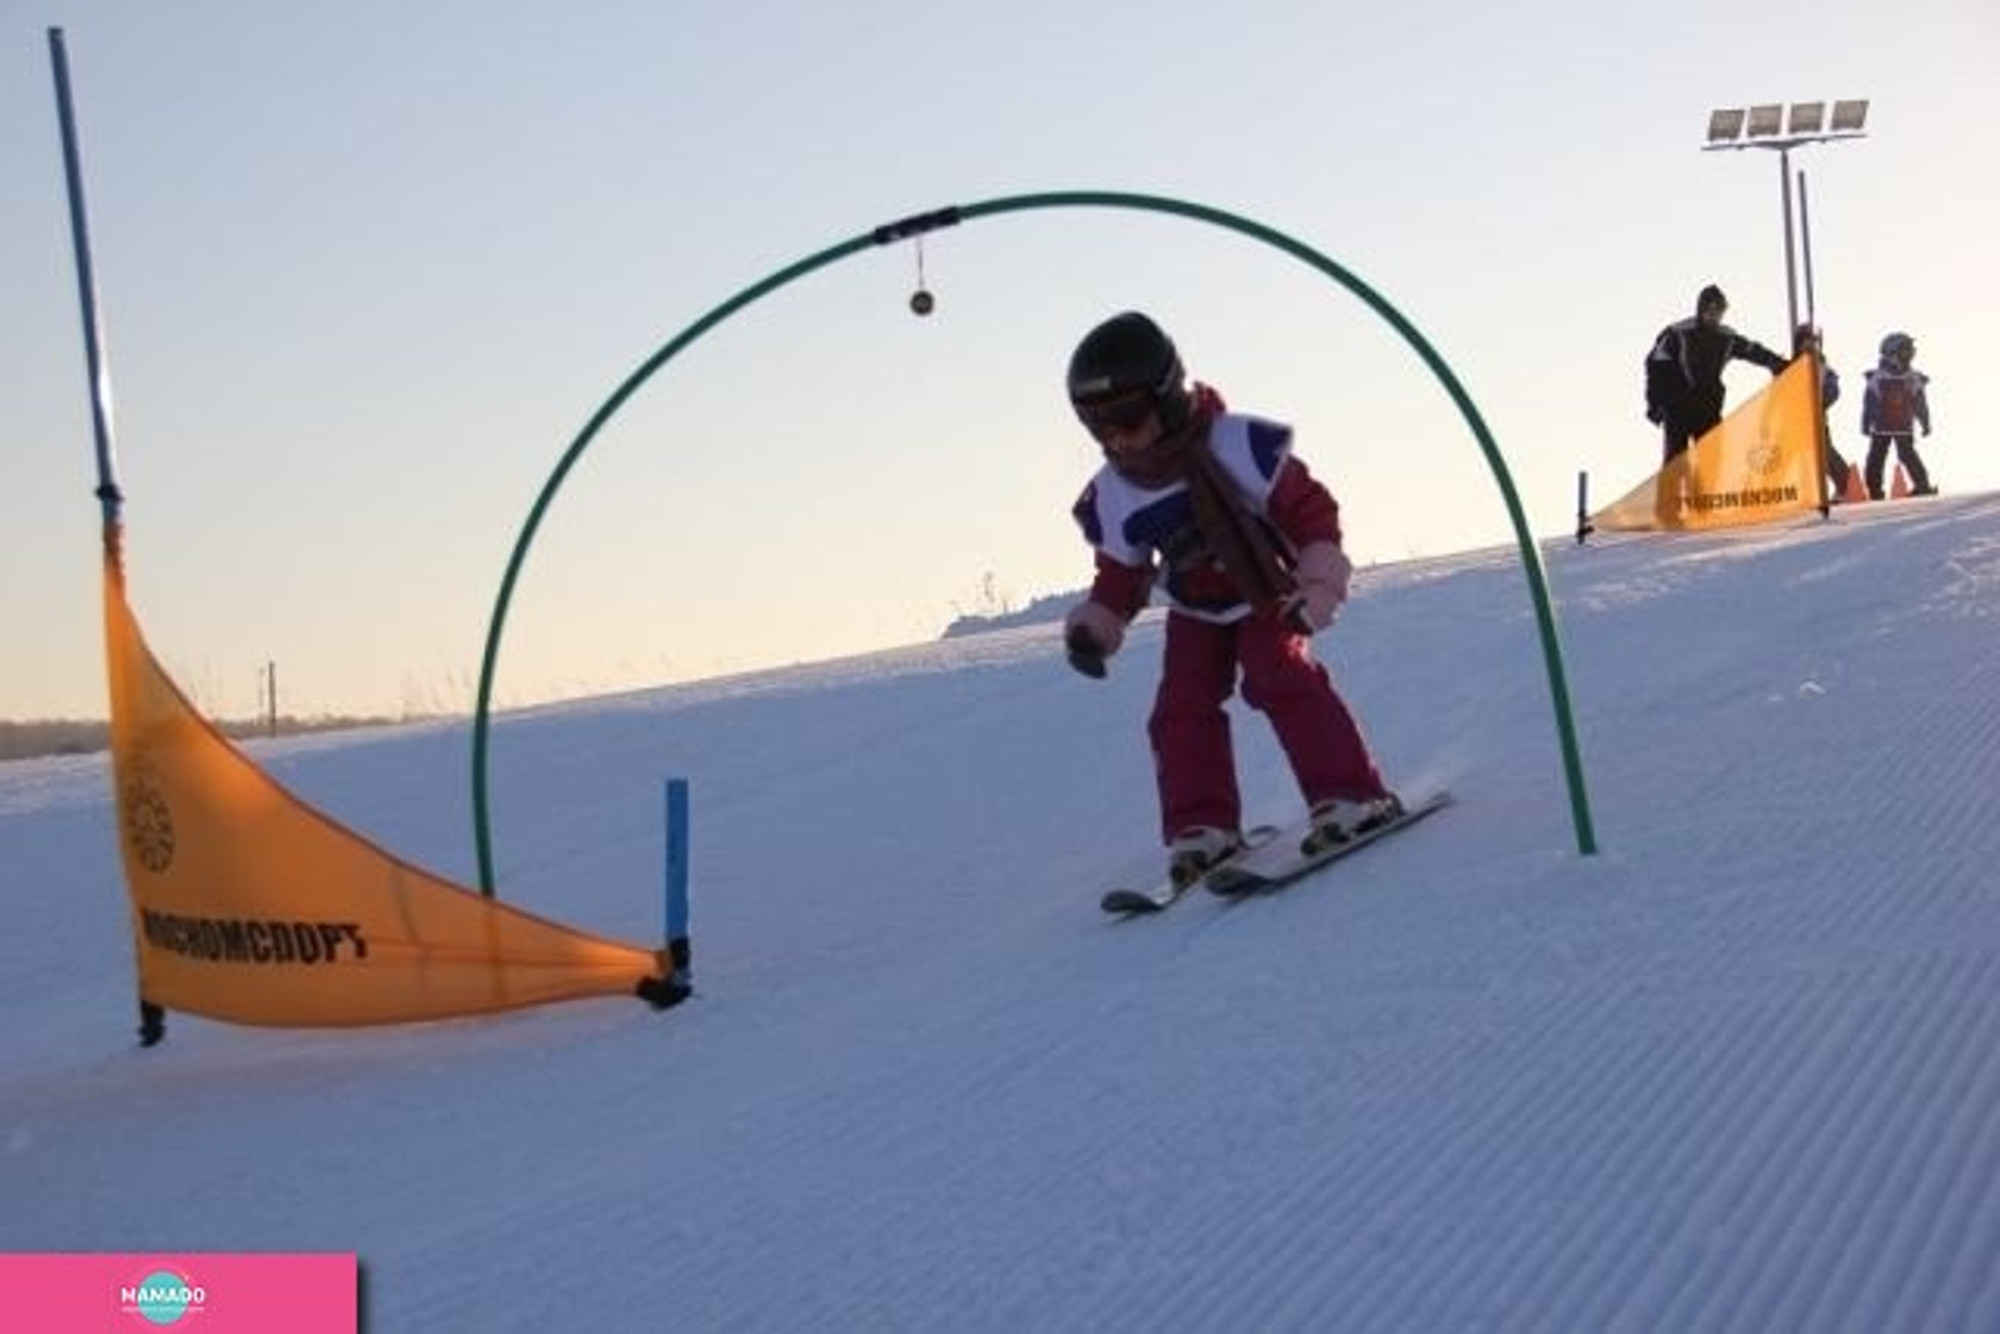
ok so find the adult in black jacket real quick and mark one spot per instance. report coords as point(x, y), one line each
point(1684, 371)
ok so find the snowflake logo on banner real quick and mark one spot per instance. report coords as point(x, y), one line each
point(149, 821)
point(1764, 457)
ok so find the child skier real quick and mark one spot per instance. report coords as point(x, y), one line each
point(1806, 339)
point(1246, 545)
point(1894, 401)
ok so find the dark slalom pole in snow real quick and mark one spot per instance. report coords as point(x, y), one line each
point(152, 1018)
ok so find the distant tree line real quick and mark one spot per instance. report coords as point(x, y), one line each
point(83, 736)
point(993, 608)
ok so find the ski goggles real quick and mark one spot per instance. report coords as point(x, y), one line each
point(1127, 412)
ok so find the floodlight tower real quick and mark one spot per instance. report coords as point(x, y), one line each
point(1773, 125)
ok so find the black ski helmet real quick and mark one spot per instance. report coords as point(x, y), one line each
point(1899, 345)
point(1711, 295)
point(1129, 356)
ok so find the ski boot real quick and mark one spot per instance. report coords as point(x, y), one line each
point(1197, 851)
point(1337, 821)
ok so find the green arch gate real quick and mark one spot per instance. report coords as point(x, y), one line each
point(890, 234)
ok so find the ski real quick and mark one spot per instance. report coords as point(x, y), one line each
point(1129, 902)
point(1283, 859)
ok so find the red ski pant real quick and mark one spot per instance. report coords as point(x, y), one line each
point(1192, 752)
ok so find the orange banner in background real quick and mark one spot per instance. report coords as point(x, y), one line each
point(1760, 463)
point(250, 906)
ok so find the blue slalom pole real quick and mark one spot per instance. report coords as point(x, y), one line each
point(676, 982)
point(677, 878)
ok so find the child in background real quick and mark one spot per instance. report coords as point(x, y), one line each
point(1806, 339)
point(1894, 402)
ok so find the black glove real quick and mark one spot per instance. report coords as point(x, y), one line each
point(1654, 415)
point(1085, 654)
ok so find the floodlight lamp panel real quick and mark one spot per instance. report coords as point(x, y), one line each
point(1766, 120)
point(1806, 118)
point(1725, 125)
point(1850, 115)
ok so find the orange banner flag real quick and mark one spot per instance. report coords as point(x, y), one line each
point(250, 906)
point(1760, 463)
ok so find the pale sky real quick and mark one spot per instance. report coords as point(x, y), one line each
point(367, 270)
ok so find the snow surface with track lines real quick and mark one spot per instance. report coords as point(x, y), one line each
point(1736, 1071)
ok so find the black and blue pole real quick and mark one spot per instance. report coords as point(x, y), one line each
point(86, 288)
